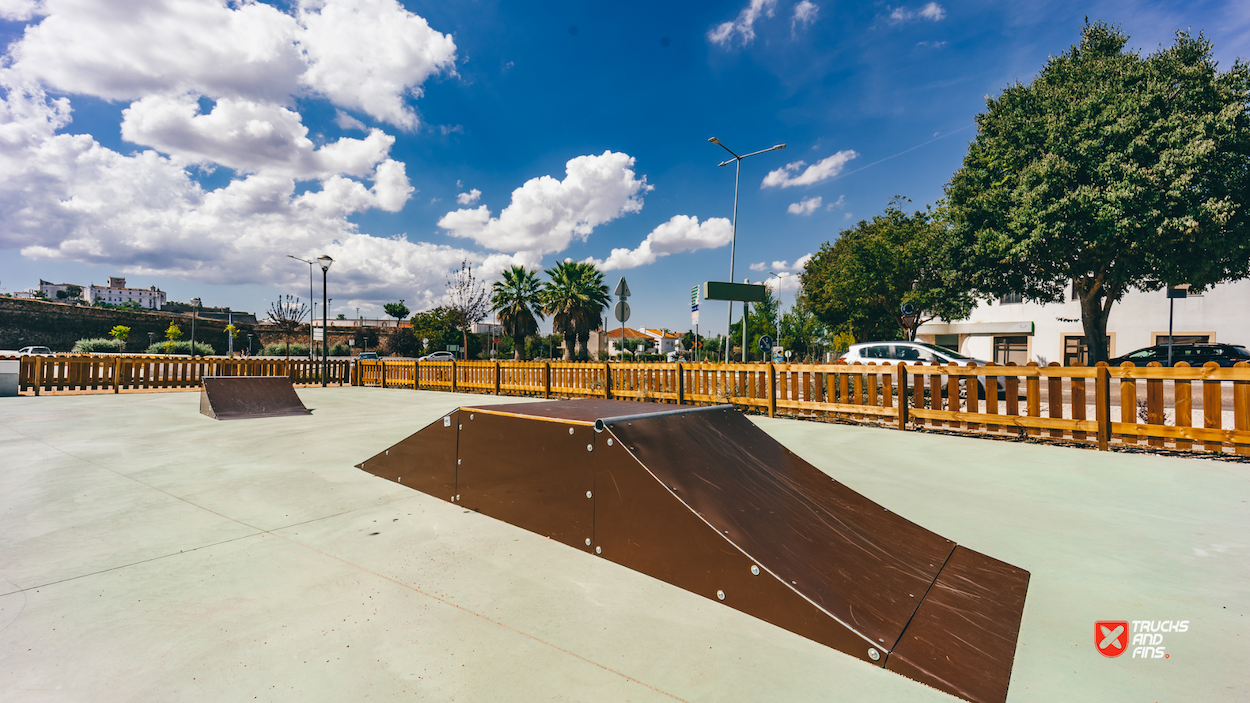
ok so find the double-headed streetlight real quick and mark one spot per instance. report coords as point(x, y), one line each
point(312, 314)
point(325, 262)
point(734, 242)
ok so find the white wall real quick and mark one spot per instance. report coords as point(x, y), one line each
point(1223, 313)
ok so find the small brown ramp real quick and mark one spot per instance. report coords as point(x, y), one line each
point(703, 499)
point(239, 397)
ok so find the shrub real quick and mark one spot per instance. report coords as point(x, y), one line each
point(340, 350)
point(297, 349)
point(181, 347)
point(100, 346)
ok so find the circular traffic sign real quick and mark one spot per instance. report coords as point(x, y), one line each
point(766, 343)
point(622, 311)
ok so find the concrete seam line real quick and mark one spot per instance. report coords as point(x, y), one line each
point(479, 615)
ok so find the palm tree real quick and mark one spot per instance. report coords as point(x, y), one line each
point(517, 301)
point(575, 296)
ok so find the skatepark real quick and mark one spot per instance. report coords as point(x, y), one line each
point(154, 553)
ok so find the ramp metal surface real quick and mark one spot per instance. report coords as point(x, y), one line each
point(241, 397)
point(705, 500)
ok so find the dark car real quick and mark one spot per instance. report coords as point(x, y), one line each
point(1192, 354)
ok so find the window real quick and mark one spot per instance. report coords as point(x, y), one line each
point(1011, 350)
point(1183, 339)
point(877, 351)
point(950, 341)
point(1075, 349)
point(1011, 299)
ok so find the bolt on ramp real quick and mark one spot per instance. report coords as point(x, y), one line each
point(701, 498)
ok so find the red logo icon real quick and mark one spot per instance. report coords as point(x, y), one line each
point(1111, 637)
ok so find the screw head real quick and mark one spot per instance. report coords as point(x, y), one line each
point(598, 550)
point(470, 416)
point(873, 654)
point(590, 447)
point(570, 430)
point(587, 541)
point(755, 570)
point(720, 595)
point(588, 494)
point(457, 462)
point(609, 442)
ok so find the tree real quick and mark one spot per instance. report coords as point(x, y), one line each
point(517, 301)
point(802, 332)
point(762, 320)
point(438, 328)
point(70, 291)
point(1109, 172)
point(286, 314)
point(861, 281)
point(396, 310)
point(172, 335)
point(120, 332)
point(575, 297)
point(467, 297)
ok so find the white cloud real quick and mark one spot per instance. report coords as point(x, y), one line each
point(246, 136)
point(468, 198)
point(64, 196)
point(368, 55)
point(744, 25)
point(346, 121)
point(804, 207)
point(787, 282)
point(931, 11)
point(840, 202)
point(817, 172)
point(20, 10)
point(546, 214)
point(932, 45)
point(804, 14)
point(681, 233)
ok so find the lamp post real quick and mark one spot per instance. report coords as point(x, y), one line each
point(312, 314)
point(249, 343)
point(197, 303)
point(325, 262)
point(733, 244)
point(779, 277)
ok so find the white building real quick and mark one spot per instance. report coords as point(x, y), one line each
point(50, 290)
point(116, 293)
point(1011, 330)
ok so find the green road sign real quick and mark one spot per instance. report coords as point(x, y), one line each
point(744, 292)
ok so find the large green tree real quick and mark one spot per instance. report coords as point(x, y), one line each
point(762, 318)
point(575, 297)
point(440, 327)
point(1109, 172)
point(517, 301)
point(861, 281)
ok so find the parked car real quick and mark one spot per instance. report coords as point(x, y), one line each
point(914, 353)
point(368, 356)
point(35, 351)
point(438, 356)
point(1192, 354)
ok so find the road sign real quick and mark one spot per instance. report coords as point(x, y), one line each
point(318, 334)
point(1181, 291)
point(779, 355)
point(766, 343)
point(745, 292)
point(908, 309)
point(622, 309)
point(622, 290)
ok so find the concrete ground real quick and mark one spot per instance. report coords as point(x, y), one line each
point(148, 553)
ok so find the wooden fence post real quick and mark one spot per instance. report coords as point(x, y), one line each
point(453, 375)
point(607, 380)
point(547, 379)
point(772, 390)
point(38, 373)
point(497, 367)
point(384, 375)
point(1102, 404)
point(681, 385)
point(117, 373)
point(901, 371)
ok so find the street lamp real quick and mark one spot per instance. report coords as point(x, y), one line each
point(779, 277)
point(312, 312)
point(733, 245)
point(197, 303)
point(325, 262)
point(249, 343)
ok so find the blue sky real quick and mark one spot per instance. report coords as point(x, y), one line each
point(193, 145)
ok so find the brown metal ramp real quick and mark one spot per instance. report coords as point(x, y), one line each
point(240, 397)
point(703, 499)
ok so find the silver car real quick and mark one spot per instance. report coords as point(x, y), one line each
point(914, 353)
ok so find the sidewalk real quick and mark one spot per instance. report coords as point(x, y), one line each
point(150, 553)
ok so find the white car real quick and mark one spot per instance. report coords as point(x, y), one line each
point(34, 351)
point(439, 356)
point(913, 353)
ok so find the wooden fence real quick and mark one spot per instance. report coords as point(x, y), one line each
point(100, 372)
point(1180, 408)
point(1101, 406)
